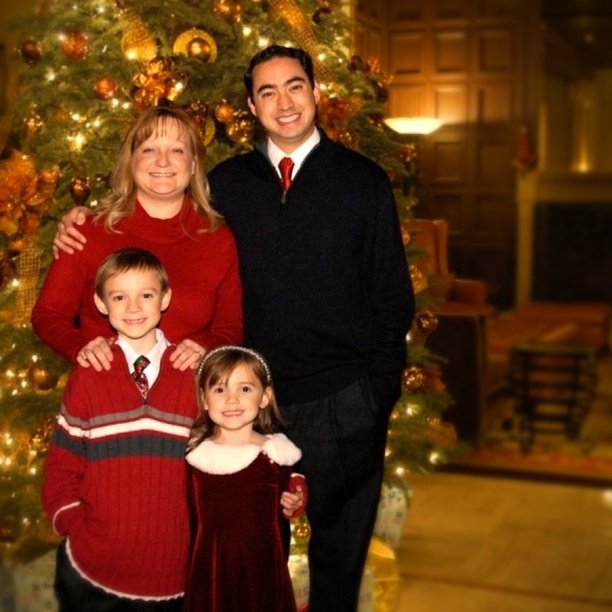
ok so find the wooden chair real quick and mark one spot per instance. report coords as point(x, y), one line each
point(456, 295)
point(553, 387)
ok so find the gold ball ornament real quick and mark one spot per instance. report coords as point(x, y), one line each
point(41, 378)
point(240, 129)
point(427, 321)
point(301, 531)
point(413, 379)
point(228, 10)
point(196, 43)
point(224, 111)
point(199, 48)
point(105, 88)
point(80, 190)
point(31, 50)
point(75, 45)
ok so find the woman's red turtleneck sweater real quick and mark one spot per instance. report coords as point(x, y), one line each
point(206, 303)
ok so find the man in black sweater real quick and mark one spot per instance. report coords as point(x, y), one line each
point(328, 301)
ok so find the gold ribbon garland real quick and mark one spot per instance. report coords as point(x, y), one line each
point(303, 33)
point(136, 43)
point(28, 268)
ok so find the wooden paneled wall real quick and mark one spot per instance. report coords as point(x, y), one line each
point(474, 65)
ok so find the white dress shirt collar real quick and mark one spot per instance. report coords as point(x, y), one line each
point(275, 154)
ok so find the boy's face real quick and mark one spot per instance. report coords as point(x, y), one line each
point(133, 301)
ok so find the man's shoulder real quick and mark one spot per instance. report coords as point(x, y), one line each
point(335, 153)
point(231, 163)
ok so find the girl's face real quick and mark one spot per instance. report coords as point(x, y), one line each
point(234, 403)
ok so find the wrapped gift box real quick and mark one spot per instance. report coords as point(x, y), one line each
point(33, 585)
point(392, 511)
point(298, 568)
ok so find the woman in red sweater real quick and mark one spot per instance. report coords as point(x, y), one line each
point(159, 201)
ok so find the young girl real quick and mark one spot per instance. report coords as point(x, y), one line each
point(240, 465)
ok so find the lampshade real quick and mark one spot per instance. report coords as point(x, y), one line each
point(413, 125)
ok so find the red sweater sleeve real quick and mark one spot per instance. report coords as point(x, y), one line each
point(56, 310)
point(226, 326)
point(64, 470)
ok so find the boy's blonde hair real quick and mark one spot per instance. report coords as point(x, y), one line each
point(129, 259)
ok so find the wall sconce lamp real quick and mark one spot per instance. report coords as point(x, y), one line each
point(413, 125)
point(411, 131)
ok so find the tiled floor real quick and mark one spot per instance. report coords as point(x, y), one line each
point(480, 544)
point(476, 544)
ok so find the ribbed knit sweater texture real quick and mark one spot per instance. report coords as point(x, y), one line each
point(327, 295)
point(115, 479)
point(202, 267)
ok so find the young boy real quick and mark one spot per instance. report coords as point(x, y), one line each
point(115, 476)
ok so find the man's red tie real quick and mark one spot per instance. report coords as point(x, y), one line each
point(140, 378)
point(286, 168)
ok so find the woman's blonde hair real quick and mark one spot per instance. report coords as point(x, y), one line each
point(216, 366)
point(120, 202)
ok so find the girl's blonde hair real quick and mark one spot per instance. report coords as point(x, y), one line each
point(120, 202)
point(217, 365)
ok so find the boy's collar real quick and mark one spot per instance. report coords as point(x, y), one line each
point(155, 354)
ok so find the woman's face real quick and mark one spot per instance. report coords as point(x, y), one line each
point(162, 167)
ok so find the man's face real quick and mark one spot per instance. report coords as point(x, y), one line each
point(284, 102)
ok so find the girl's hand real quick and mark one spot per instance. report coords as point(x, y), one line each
point(187, 355)
point(295, 499)
point(97, 354)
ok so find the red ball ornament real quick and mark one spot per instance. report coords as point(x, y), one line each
point(413, 379)
point(427, 321)
point(75, 45)
point(31, 51)
point(105, 88)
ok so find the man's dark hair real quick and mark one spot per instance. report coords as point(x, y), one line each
point(278, 51)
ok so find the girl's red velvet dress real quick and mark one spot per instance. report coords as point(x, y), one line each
point(238, 561)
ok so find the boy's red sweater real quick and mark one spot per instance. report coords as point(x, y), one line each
point(115, 479)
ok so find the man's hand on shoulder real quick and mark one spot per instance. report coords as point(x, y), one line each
point(67, 237)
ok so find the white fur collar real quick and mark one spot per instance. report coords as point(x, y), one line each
point(214, 458)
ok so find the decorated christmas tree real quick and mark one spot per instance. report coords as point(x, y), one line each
point(87, 68)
